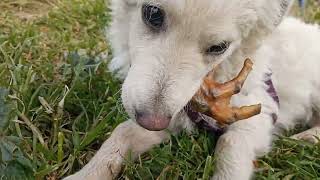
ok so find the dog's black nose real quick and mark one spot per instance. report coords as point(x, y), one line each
point(153, 122)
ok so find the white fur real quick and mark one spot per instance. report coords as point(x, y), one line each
point(163, 71)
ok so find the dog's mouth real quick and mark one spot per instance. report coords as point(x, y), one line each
point(203, 120)
point(210, 107)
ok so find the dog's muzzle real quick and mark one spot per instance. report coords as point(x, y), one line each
point(157, 122)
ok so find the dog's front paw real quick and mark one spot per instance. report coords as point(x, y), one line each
point(234, 155)
point(105, 169)
point(311, 135)
point(120, 65)
point(219, 177)
point(229, 175)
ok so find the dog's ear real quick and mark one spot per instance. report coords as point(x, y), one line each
point(118, 31)
point(271, 13)
point(261, 20)
point(118, 35)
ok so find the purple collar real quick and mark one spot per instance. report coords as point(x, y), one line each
point(209, 124)
point(271, 90)
point(204, 122)
point(273, 93)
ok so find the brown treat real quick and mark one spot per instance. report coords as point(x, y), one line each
point(213, 98)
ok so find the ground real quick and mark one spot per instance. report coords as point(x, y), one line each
point(58, 103)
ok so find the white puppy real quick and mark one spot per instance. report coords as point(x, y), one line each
point(164, 48)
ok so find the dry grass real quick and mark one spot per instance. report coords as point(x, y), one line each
point(56, 50)
point(27, 10)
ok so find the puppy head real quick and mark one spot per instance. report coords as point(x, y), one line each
point(172, 45)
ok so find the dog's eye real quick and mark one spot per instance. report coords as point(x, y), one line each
point(153, 16)
point(218, 49)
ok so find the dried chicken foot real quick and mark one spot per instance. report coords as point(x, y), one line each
point(229, 88)
point(217, 97)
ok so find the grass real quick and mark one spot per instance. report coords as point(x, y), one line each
point(58, 103)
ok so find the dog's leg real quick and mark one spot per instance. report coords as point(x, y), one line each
point(127, 137)
point(312, 135)
point(240, 145)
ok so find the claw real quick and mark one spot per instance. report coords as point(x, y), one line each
point(218, 95)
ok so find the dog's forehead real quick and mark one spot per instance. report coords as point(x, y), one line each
point(217, 17)
point(204, 8)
